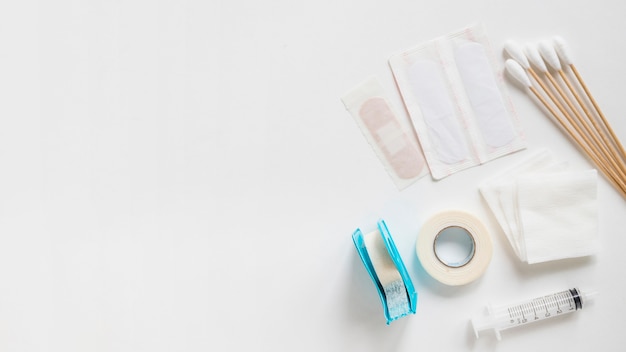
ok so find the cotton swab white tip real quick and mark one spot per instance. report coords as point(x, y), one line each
point(532, 52)
point(560, 45)
point(549, 54)
point(517, 71)
point(516, 53)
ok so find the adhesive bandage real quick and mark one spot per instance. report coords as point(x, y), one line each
point(396, 147)
point(386, 269)
point(457, 103)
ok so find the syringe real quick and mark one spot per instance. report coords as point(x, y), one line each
point(540, 308)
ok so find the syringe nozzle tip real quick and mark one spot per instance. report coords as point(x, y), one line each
point(480, 324)
point(588, 296)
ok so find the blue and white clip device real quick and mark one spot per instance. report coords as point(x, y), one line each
point(385, 267)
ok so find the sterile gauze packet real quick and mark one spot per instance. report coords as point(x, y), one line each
point(396, 145)
point(457, 101)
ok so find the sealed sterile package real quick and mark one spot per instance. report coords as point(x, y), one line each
point(396, 147)
point(457, 101)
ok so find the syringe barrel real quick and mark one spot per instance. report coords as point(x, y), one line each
point(536, 309)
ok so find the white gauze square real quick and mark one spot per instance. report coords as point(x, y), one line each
point(559, 215)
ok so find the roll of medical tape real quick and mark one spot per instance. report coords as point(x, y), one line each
point(450, 273)
point(388, 275)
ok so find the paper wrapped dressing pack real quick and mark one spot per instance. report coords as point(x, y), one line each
point(457, 102)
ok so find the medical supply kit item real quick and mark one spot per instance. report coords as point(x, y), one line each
point(580, 118)
point(457, 227)
point(533, 310)
point(396, 147)
point(458, 104)
point(546, 211)
point(462, 115)
point(385, 266)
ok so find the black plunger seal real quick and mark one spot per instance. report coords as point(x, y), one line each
point(576, 296)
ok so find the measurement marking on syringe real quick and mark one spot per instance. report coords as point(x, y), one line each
point(545, 304)
point(541, 308)
point(572, 305)
point(550, 305)
point(534, 310)
point(556, 304)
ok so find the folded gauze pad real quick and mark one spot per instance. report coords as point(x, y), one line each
point(457, 103)
point(396, 147)
point(546, 211)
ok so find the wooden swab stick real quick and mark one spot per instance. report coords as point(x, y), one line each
point(597, 150)
point(546, 52)
point(607, 141)
point(549, 52)
point(563, 52)
point(516, 52)
point(614, 179)
point(519, 74)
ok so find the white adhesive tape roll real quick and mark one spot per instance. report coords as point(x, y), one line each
point(454, 273)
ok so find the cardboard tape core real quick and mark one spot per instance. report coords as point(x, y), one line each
point(454, 246)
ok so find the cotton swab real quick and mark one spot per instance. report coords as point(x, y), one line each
point(560, 51)
point(547, 52)
point(516, 52)
point(563, 53)
point(612, 155)
point(516, 70)
point(532, 52)
point(533, 55)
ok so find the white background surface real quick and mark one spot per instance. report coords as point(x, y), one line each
point(182, 176)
